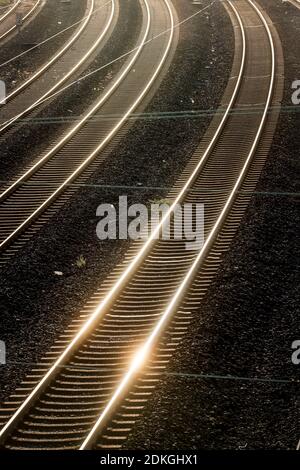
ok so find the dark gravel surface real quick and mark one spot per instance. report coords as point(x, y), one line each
point(42, 303)
point(248, 320)
point(24, 146)
point(55, 16)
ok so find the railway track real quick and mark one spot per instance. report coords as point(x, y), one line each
point(8, 20)
point(88, 391)
point(79, 50)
